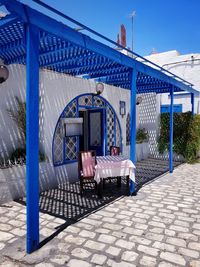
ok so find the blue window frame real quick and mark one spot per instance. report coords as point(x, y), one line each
point(166, 108)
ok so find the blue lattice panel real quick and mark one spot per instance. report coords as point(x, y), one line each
point(110, 127)
point(71, 144)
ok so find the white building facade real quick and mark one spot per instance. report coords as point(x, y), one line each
point(75, 98)
point(186, 67)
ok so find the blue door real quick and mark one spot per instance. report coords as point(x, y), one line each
point(96, 128)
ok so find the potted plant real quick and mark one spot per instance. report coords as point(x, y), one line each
point(142, 146)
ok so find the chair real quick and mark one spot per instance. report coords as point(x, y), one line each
point(114, 151)
point(86, 168)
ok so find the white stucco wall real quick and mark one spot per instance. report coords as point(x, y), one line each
point(185, 66)
point(56, 91)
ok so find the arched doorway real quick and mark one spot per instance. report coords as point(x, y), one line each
point(101, 129)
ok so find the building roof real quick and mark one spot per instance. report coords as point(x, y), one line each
point(65, 50)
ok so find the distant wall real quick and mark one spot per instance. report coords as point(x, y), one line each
point(185, 66)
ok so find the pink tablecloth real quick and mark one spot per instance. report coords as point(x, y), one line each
point(114, 166)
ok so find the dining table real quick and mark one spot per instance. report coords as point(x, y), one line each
point(113, 167)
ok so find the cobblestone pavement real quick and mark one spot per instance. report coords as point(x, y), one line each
point(158, 227)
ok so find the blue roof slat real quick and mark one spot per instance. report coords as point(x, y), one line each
point(63, 49)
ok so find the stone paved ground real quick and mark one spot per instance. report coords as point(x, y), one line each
point(158, 227)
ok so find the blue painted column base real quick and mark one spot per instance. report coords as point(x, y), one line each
point(132, 188)
point(171, 167)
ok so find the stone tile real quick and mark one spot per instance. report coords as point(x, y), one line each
point(140, 240)
point(4, 236)
point(179, 228)
point(133, 231)
point(129, 256)
point(125, 244)
point(166, 264)
point(194, 245)
point(60, 259)
point(176, 241)
point(44, 264)
point(98, 259)
point(164, 246)
point(80, 253)
point(148, 250)
point(114, 251)
point(94, 245)
point(148, 261)
point(102, 231)
point(113, 263)
point(154, 236)
point(77, 263)
point(72, 229)
point(74, 239)
point(111, 226)
point(106, 239)
point(187, 236)
point(172, 257)
point(89, 234)
point(188, 252)
point(195, 263)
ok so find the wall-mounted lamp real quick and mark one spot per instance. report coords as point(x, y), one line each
point(138, 100)
point(4, 73)
point(99, 88)
point(122, 108)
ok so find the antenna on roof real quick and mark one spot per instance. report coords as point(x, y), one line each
point(154, 51)
point(132, 15)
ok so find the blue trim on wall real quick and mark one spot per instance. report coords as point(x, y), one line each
point(166, 108)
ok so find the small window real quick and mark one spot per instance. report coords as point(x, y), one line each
point(166, 108)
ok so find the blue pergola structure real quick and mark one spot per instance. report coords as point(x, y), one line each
point(32, 38)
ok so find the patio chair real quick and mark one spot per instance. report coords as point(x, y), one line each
point(114, 151)
point(86, 168)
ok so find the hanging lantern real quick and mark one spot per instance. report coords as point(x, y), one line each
point(99, 88)
point(4, 73)
point(138, 100)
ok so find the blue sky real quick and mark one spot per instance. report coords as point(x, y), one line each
point(160, 24)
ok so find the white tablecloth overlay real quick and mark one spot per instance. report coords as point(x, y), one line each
point(114, 166)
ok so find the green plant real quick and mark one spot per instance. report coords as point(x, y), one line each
point(19, 116)
point(21, 153)
point(141, 136)
point(18, 153)
point(186, 135)
point(193, 146)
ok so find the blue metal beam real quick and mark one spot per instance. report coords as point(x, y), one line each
point(192, 103)
point(107, 72)
point(63, 31)
point(171, 131)
point(32, 137)
point(133, 123)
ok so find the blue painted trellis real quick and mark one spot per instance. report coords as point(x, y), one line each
point(32, 38)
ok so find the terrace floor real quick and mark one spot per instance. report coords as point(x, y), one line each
point(158, 227)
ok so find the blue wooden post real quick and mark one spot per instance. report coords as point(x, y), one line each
point(133, 123)
point(32, 137)
point(171, 130)
point(192, 103)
